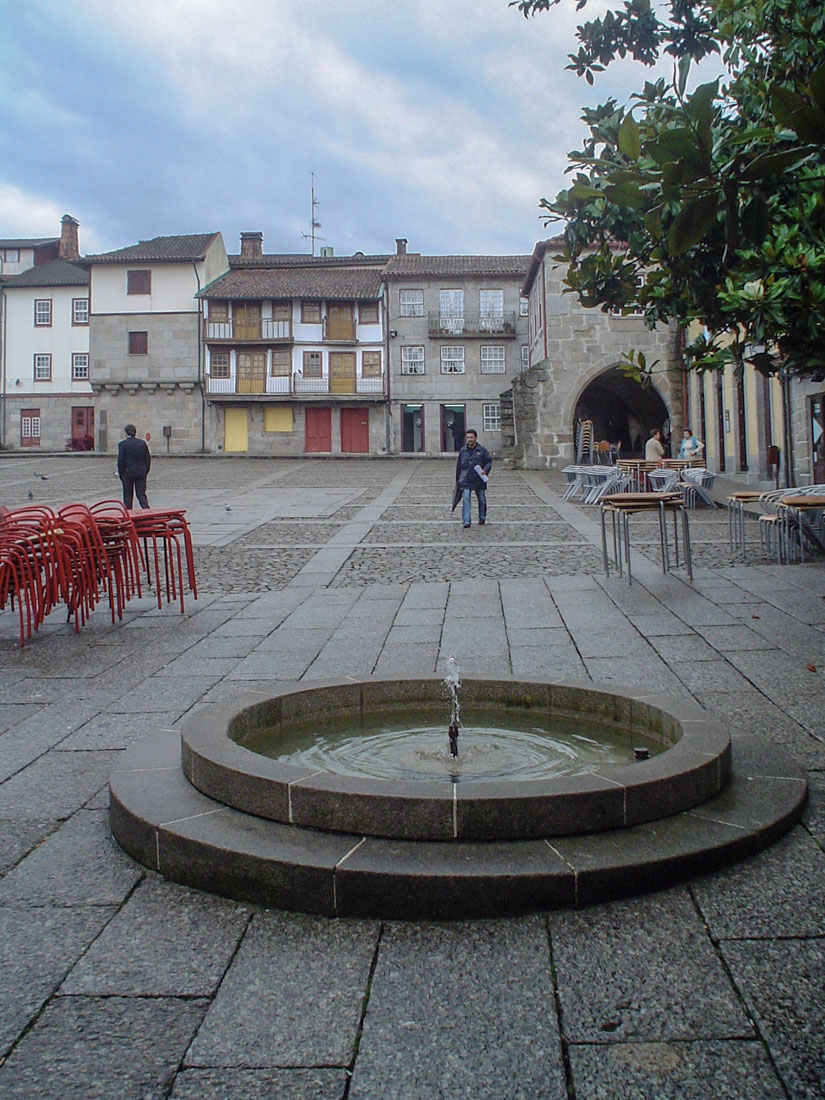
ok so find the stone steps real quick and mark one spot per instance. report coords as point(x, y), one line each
point(160, 820)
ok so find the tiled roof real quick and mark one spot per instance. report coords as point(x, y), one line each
point(51, 273)
point(282, 282)
point(27, 242)
point(413, 264)
point(158, 250)
point(288, 259)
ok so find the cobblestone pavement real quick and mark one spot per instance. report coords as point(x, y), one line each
point(115, 983)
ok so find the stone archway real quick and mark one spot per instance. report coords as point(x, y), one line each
point(621, 409)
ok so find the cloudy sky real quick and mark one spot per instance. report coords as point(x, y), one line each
point(442, 121)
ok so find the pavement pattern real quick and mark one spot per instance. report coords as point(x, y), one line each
point(115, 983)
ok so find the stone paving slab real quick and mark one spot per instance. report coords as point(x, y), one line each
point(111, 1046)
point(464, 1010)
point(292, 996)
point(648, 973)
point(727, 1070)
point(260, 1084)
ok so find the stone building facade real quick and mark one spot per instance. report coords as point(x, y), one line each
point(574, 356)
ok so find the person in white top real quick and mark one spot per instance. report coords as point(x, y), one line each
point(690, 446)
point(654, 451)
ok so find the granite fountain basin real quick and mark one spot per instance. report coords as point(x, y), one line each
point(222, 753)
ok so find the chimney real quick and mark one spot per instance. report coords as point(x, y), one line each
point(252, 246)
point(68, 249)
point(401, 246)
point(327, 251)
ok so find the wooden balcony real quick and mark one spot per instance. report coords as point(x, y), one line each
point(294, 385)
point(264, 330)
point(502, 326)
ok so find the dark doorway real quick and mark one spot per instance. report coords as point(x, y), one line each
point(622, 411)
point(412, 428)
point(818, 438)
point(83, 428)
point(453, 427)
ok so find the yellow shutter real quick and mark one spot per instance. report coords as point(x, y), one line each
point(277, 419)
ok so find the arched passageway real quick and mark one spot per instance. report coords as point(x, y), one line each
point(622, 410)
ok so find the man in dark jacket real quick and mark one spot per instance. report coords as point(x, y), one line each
point(133, 462)
point(471, 472)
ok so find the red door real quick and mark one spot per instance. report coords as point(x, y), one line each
point(318, 430)
point(355, 431)
point(83, 428)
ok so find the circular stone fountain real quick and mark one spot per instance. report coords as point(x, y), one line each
point(344, 798)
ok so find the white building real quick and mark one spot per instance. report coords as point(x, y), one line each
point(44, 362)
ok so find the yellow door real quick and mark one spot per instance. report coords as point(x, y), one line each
point(251, 372)
point(247, 317)
point(236, 431)
point(340, 321)
point(342, 372)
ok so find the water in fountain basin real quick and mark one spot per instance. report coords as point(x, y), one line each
point(495, 745)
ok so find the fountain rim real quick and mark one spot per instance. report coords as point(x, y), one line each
point(695, 767)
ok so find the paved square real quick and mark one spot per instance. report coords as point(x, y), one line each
point(115, 983)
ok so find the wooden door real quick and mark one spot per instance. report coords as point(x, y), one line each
point(818, 437)
point(251, 372)
point(340, 321)
point(83, 427)
point(342, 372)
point(247, 320)
point(355, 431)
point(318, 429)
point(236, 431)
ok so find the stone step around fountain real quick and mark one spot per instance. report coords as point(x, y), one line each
point(165, 823)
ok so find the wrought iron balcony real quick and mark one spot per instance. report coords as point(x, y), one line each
point(500, 325)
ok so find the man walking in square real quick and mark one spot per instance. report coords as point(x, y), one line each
point(471, 473)
point(133, 462)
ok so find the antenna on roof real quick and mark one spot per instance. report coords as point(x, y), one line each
point(313, 224)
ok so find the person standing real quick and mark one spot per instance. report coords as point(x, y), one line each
point(654, 448)
point(133, 462)
point(471, 473)
point(690, 446)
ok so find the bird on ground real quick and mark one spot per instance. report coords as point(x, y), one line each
point(31, 495)
point(226, 506)
point(43, 477)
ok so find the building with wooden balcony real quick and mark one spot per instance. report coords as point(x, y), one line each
point(457, 338)
point(295, 353)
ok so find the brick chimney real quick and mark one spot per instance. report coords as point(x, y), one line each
point(68, 249)
point(252, 246)
point(401, 246)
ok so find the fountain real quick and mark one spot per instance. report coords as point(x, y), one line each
point(342, 798)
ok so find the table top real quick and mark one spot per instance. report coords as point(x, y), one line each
point(640, 500)
point(810, 501)
point(745, 494)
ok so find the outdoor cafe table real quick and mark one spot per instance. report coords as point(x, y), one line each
point(799, 504)
point(736, 516)
point(622, 505)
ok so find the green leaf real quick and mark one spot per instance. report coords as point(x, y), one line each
point(692, 223)
point(817, 87)
point(809, 124)
point(785, 104)
point(629, 140)
point(772, 164)
point(626, 194)
point(684, 69)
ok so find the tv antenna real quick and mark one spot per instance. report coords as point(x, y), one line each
point(313, 222)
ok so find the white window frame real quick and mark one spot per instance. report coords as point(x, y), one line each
point(412, 360)
point(42, 371)
point(491, 416)
point(633, 310)
point(523, 306)
point(30, 427)
point(411, 302)
point(80, 366)
point(42, 312)
point(452, 359)
point(525, 357)
point(493, 363)
point(80, 311)
point(216, 369)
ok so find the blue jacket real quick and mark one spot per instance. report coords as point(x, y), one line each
point(465, 475)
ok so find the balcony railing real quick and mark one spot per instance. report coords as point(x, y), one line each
point(283, 385)
point(500, 325)
point(265, 329)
